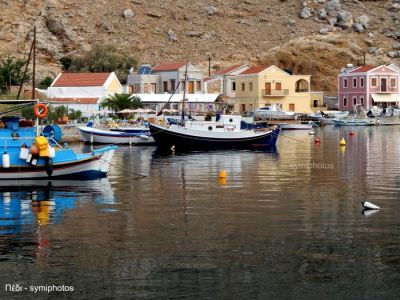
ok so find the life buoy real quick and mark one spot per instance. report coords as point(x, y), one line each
point(40, 110)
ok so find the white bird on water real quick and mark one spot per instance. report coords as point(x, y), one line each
point(369, 205)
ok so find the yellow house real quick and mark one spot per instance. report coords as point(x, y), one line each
point(261, 86)
point(317, 101)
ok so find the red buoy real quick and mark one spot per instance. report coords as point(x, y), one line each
point(317, 140)
point(352, 133)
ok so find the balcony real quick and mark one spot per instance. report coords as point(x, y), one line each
point(275, 93)
point(384, 89)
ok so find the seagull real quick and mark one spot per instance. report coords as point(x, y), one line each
point(369, 205)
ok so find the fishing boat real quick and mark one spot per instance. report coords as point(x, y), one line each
point(297, 126)
point(28, 155)
point(354, 122)
point(222, 134)
point(273, 112)
point(99, 136)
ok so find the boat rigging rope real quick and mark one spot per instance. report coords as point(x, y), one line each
point(285, 136)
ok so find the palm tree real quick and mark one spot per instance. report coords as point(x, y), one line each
point(119, 102)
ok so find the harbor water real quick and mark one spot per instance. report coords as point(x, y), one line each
point(283, 224)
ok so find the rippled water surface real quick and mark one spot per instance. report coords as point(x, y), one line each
point(283, 225)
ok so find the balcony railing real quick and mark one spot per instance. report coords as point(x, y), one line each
point(384, 89)
point(302, 90)
point(275, 93)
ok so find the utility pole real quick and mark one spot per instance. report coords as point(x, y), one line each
point(34, 63)
point(364, 58)
point(209, 65)
point(26, 67)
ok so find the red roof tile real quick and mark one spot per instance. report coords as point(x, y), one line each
point(81, 79)
point(363, 69)
point(254, 70)
point(74, 100)
point(228, 69)
point(169, 66)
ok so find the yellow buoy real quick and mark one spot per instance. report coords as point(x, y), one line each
point(222, 174)
point(342, 142)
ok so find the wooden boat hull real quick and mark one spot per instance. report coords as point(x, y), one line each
point(97, 136)
point(185, 139)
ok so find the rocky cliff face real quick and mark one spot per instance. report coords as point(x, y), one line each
point(311, 36)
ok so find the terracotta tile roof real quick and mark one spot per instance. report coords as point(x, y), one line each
point(228, 69)
point(254, 70)
point(81, 79)
point(363, 69)
point(74, 100)
point(169, 66)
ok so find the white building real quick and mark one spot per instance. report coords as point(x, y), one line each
point(196, 103)
point(164, 78)
point(83, 91)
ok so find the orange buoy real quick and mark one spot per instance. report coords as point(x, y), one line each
point(40, 110)
point(222, 174)
point(34, 150)
point(317, 140)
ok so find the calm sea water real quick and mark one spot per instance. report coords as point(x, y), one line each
point(283, 225)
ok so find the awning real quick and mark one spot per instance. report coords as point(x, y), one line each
point(385, 97)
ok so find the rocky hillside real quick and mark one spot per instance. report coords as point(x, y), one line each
point(311, 36)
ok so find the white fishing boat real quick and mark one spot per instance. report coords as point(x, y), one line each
point(273, 112)
point(354, 122)
point(98, 136)
point(297, 126)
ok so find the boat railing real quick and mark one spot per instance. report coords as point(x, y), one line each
point(26, 138)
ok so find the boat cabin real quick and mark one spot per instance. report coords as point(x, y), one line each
point(222, 123)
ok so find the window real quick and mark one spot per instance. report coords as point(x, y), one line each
point(362, 100)
point(345, 82)
point(250, 86)
point(373, 81)
point(291, 107)
point(243, 86)
point(315, 103)
point(146, 88)
point(361, 82)
point(233, 86)
point(173, 85)
point(354, 100)
point(153, 88)
point(302, 86)
point(278, 86)
point(354, 82)
point(345, 101)
point(243, 106)
point(198, 86)
point(393, 82)
point(165, 86)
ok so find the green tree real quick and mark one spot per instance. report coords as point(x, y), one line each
point(11, 72)
point(103, 58)
point(74, 114)
point(66, 62)
point(45, 83)
point(119, 102)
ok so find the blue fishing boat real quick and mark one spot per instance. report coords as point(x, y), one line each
point(28, 155)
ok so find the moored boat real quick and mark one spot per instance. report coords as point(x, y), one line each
point(222, 134)
point(99, 136)
point(26, 155)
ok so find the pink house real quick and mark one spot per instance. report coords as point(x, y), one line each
point(368, 86)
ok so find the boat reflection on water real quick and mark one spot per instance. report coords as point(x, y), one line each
point(27, 204)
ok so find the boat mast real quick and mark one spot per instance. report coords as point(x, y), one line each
point(184, 92)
